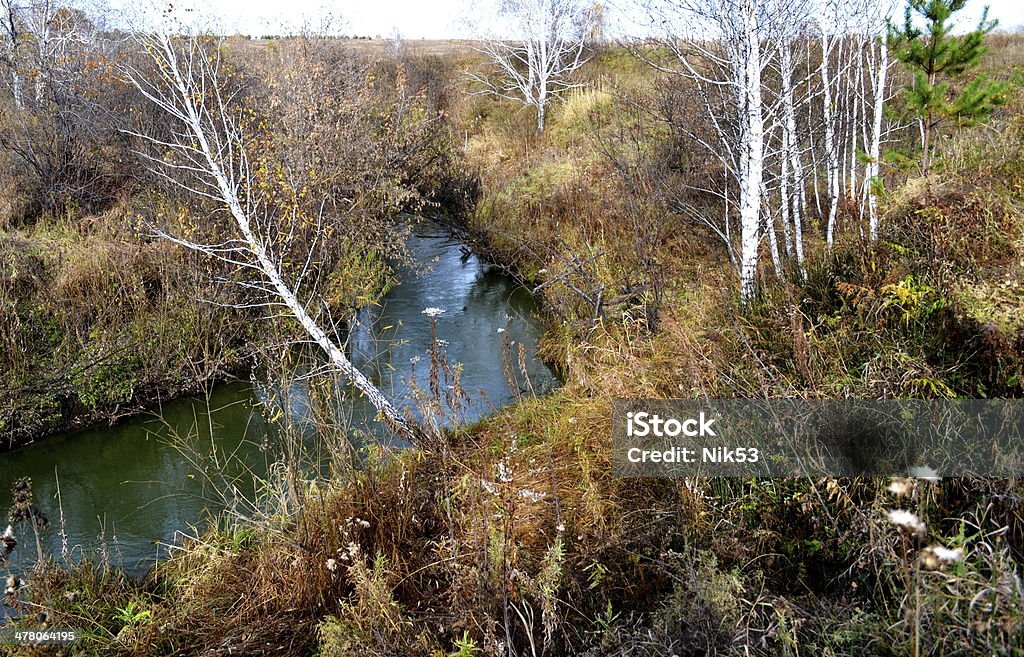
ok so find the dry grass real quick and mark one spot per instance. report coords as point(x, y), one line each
point(512, 537)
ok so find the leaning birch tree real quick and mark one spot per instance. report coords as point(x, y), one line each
point(537, 57)
point(206, 156)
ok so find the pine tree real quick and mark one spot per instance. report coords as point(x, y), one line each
point(936, 58)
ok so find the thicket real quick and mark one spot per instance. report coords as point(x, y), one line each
point(100, 319)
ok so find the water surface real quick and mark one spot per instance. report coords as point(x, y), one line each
point(125, 491)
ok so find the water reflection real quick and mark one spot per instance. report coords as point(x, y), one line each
point(126, 484)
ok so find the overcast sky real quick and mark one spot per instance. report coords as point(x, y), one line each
point(413, 19)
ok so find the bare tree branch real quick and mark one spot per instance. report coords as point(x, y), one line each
point(189, 90)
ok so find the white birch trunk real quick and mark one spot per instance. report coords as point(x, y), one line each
point(773, 244)
point(17, 89)
point(812, 147)
point(832, 163)
point(541, 105)
point(874, 152)
point(791, 155)
point(784, 201)
point(857, 123)
point(752, 152)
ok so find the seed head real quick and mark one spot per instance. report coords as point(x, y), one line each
point(906, 521)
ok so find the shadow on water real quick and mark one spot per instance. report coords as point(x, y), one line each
point(123, 489)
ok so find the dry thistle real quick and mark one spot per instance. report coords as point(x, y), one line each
point(935, 556)
point(906, 521)
point(900, 486)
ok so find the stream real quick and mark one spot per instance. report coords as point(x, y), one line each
point(126, 493)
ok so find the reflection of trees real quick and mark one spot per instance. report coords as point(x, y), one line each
point(494, 289)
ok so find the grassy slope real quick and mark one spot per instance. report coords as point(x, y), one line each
point(96, 322)
point(513, 529)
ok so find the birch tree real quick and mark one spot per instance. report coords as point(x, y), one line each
point(10, 34)
point(544, 46)
point(206, 155)
point(747, 54)
point(878, 73)
point(58, 62)
point(724, 47)
point(792, 179)
point(854, 85)
point(794, 93)
point(40, 18)
point(39, 37)
point(831, 32)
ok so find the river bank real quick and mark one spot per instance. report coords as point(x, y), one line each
point(151, 478)
point(510, 535)
point(70, 417)
point(100, 324)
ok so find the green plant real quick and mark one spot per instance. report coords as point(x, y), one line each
point(935, 57)
point(464, 646)
point(133, 614)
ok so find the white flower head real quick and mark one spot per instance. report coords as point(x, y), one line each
point(906, 521)
point(9, 532)
point(332, 565)
point(947, 554)
point(924, 473)
point(532, 495)
point(935, 556)
point(504, 473)
point(13, 584)
point(900, 486)
point(430, 311)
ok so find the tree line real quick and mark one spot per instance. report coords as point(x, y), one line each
point(796, 96)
